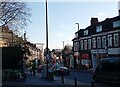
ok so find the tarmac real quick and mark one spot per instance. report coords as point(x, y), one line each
point(32, 80)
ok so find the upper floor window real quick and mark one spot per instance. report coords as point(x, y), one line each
point(110, 40)
point(76, 35)
point(89, 43)
point(99, 28)
point(103, 41)
point(85, 44)
point(116, 24)
point(116, 39)
point(93, 42)
point(98, 42)
point(81, 44)
point(85, 32)
point(76, 46)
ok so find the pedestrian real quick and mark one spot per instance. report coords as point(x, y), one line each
point(33, 69)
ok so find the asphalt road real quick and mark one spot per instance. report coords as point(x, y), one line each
point(84, 79)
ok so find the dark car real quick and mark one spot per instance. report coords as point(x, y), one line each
point(59, 70)
point(108, 70)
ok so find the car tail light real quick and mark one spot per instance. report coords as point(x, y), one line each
point(62, 70)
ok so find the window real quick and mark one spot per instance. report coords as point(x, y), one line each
point(116, 24)
point(81, 43)
point(85, 44)
point(109, 40)
point(76, 46)
point(116, 39)
point(76, 35)
point(85, 32)
point(89, 43)
point(93, 42)
point(98, 42)
point(99, 28)
point(103, 41)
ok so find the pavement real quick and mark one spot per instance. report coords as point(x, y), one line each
point(38, 81)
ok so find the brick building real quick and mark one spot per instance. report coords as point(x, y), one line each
point(99, 40)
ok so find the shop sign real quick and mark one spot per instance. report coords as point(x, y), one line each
point(76, 53)
point(86, 56)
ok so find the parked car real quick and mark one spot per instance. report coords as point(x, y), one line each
point(108, 70)
point(59, 70)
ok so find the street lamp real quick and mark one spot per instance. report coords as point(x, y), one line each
point(78, 25)
point(63, 44)
point(46, 38)
point(75, 62)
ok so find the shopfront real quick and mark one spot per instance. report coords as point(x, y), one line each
point(85, 57)
point(96, 56)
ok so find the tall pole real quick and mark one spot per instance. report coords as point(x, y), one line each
point(47, 37)
point(78, 25)
point(63, 44)
point(75, 62)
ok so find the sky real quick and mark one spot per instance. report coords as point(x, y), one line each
point(62, 17)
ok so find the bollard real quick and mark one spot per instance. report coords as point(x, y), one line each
point(92, 84)
point(62, 78)
point(75, 80)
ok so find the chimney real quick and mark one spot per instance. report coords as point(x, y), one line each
point(94, 21)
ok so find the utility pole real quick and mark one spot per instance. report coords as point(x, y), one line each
point(46, 38)
point(78, 25)
point(63, 44)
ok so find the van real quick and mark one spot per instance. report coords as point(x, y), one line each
point(108, 70)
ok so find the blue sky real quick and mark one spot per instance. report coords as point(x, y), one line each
point(62, 17)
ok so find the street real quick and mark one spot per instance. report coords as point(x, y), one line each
point(83, 79)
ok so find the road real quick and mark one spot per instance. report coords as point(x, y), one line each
point(84, 79)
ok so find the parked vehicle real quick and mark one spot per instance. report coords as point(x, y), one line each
point(61, 70)
point(108, 70)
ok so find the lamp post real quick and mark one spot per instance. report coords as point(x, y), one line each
point(75, 62)
point(78, 25)
point(46, 38)
point(63, 44)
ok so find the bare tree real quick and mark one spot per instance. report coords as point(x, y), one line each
point(15, 15)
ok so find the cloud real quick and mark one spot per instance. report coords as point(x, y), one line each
point(101, 14)
point(64, 27)
point(60, 34)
